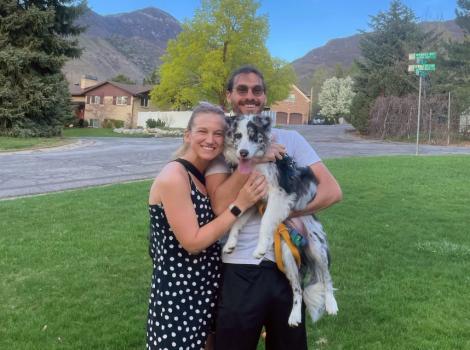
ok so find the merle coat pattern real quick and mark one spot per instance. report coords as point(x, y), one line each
point(289, 188)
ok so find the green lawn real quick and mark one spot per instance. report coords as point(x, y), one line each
point(20, 143)
point(25, 143)
point(75, 270)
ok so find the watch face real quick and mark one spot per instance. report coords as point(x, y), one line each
point(235, 210)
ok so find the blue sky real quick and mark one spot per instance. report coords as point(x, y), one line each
point(297, 26)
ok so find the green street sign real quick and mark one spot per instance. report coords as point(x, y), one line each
point(422, 67)
point(422, 55)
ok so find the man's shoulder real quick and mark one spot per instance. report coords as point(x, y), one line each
point(284, 134)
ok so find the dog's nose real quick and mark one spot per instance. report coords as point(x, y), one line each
point(243, 153)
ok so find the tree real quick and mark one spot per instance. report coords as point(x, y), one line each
point(463, 15)
point(454, 63)
point(36, 38)
point(223, 35)
point(152, 79)
point(318, 78)
point(383, 69)
point(335, 98)
point(121, 78)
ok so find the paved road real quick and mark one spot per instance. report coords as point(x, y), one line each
point(97, 161)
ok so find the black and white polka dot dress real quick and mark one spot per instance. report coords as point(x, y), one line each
point(184, 287)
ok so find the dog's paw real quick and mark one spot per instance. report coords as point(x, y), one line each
point(229, 247)
point(295, 318)
point(331, 306)
point(259, 253)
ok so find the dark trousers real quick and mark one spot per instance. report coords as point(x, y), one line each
point(251, 297)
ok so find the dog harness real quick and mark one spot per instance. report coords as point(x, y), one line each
point(282, 232)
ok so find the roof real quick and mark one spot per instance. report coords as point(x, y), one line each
point(301, 92)
point(134, 90)
point(75, 90)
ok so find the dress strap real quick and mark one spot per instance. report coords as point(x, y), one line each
point(192, 169)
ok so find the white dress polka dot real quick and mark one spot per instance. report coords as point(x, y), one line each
point(183, 292)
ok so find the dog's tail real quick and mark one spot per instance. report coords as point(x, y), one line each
point(314, 298)
point(318, 293)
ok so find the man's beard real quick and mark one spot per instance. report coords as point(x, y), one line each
point(237, 108)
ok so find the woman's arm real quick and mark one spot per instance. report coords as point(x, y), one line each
point(174, 192)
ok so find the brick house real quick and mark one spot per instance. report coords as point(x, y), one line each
point(110, 100)
point(295, 109)
point(78, 98)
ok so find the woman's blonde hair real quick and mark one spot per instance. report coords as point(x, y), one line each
point(202, 107)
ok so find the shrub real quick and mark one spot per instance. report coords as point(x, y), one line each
point(152, 123)
point(112, 124)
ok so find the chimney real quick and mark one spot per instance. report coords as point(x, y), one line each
point(87, 81)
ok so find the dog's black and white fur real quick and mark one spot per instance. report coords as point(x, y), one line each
point(289, 188)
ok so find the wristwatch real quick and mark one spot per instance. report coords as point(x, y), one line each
point(235, 210)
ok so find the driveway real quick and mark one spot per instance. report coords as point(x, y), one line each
point(98, 161)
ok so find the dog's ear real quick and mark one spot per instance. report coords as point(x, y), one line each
point(230, 122)
point(263, 120)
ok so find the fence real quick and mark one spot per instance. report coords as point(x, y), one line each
point(178, 119)
point(396, 118)
point(171, 119)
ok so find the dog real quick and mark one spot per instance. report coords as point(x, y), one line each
point(289, 188)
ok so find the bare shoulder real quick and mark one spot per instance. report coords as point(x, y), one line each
point(172, 176)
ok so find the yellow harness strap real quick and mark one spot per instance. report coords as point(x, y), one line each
point(283, 233)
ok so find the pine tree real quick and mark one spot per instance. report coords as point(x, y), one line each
point(455, 75)
point(383, 69)
point(36, 38)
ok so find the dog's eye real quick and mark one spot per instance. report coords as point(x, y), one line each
point(237, 136)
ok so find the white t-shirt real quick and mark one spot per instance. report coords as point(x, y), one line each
point(304, 155)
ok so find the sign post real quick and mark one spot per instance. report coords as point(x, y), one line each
point(421, 68)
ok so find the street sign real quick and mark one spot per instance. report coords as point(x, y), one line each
point(422, 67)
point(422, 55)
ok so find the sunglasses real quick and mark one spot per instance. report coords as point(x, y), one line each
point(256, 90)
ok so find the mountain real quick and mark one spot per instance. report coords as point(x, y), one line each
point(126, 43)
point(345, 50)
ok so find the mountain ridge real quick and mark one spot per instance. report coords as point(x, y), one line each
point(132, 43)
point(345, 50)
point(126, 43)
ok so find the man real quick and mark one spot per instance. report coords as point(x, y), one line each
point(254, 292)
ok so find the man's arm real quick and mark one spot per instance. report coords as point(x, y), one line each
point(328, 191)
point(223, 188)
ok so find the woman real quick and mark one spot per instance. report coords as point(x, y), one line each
point(184, 234)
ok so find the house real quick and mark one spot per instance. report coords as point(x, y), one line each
point(98, 101)
point(78, 98)
point(295, 109)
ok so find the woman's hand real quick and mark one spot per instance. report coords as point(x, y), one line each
point(255, 188)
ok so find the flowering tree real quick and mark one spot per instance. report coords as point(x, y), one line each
point(335, 97)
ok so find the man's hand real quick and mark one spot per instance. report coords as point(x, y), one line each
point(275, 151)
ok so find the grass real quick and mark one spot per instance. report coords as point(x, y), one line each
point(21, 143)
point(26, 143)
point(75, 270)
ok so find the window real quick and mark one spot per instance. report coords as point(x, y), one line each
point(144, 101)
point(291, 98)
point(122, 100)
point(95, 100)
